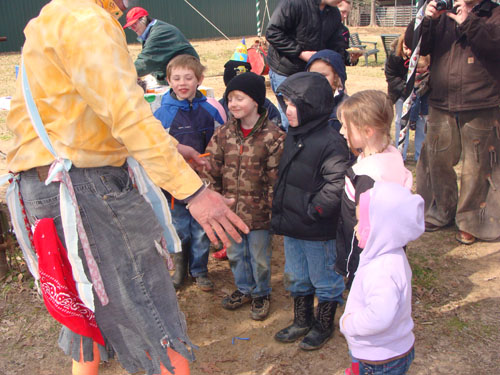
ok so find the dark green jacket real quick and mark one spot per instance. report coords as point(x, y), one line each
point(163, 43)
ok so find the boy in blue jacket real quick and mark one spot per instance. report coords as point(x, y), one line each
point(189, 118)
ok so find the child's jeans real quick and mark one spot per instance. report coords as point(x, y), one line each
point(250, 262)
point(420, 107)
point(419, 131)
point(309, 269)
point(193, 238)
point(399, 366)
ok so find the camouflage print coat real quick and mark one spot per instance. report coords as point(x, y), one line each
point(246, 168)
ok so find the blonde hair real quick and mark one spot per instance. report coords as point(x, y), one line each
point(337, 82)
point(368, 108)
point(424, 61)
point(398, 51)
point(188, 62)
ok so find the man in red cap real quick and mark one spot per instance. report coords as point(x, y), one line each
point(161, 42)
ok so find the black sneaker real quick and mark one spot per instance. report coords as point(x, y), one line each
point(235, 300)
point(260, 307)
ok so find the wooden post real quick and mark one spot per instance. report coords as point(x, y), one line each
point(5, 240)
point(373, 15)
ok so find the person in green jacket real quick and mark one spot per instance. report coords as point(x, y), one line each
point(161, 42)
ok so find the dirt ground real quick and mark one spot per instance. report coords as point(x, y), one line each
point(456, 295)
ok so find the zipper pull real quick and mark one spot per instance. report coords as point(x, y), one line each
point(241, 148)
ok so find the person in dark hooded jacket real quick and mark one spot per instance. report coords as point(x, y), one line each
point(331, 65)
point(306, 207)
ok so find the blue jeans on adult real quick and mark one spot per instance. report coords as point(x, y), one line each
point(276, 80)
point(309, 269)
point(193, 238)
point(123, 234)
point(399, 366)
point(419, 131)
point(250, 262)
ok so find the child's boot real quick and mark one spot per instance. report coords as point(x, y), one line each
point(181, 265)
point(303, 310)
point(322, 329)
point(260, 307)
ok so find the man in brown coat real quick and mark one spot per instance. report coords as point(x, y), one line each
point(464, 119)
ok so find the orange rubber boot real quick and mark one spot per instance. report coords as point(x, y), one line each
point(87, 368)
point(180, 363)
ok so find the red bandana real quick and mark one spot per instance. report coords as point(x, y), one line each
point(58, 287)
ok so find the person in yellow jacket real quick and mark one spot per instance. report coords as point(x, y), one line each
point(84, 85)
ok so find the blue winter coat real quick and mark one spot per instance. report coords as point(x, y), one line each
point(191, 123)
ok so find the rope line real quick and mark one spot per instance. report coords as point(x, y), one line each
point(206, 19)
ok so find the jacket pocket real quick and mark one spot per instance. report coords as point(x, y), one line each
point(308, 211)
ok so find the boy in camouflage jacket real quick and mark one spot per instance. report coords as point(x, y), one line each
point(245, 154)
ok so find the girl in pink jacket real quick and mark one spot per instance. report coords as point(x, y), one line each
point(377, 321)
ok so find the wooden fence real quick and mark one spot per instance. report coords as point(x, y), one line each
point(387, 16)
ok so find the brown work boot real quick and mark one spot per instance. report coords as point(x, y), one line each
point(260, 307)
point(204, 283)
point(235, 300)
point(465, 238)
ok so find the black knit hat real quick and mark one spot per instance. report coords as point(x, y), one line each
point(251, 84)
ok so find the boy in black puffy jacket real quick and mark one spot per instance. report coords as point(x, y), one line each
point(306, 207)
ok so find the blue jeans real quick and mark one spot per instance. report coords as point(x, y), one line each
point(309, 269)
point(142, 314)
point(276, 80)
point(397, 367)
point(419, 107)
point(250, 262)
point(419, 131)
point(193, 238)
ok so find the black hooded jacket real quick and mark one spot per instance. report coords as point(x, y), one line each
point(299, 25)
point(396, 70)
point(306, 203)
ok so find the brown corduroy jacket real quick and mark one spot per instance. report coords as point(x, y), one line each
point(465, 59)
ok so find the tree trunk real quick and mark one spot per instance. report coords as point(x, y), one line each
point(373, 17)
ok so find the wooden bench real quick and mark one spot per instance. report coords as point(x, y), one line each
point(355, 42)
point(387, 40)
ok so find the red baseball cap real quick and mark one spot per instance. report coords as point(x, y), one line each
point(134, 14)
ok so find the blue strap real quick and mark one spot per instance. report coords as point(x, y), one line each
point(33, 112)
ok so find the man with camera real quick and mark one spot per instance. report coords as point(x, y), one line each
point(464, 118)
